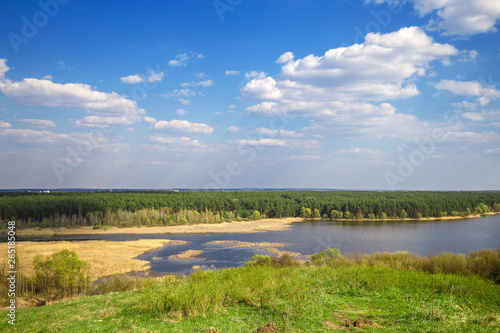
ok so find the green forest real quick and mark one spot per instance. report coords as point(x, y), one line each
point(98, 209)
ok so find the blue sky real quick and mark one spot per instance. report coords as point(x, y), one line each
point(377, 94)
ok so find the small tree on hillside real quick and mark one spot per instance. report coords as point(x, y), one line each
point(63, 271)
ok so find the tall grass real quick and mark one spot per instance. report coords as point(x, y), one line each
point(485, 263)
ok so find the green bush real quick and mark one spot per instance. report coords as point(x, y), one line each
point(62, 272)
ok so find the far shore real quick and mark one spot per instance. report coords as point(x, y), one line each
point(263, 225)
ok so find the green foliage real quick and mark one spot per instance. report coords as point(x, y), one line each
point(74, 209)
point(63, 271)
point(371, 216)
point(305, 212)
point(403, 214)
point(284, 260)
point(329, 257)
point(335, 214)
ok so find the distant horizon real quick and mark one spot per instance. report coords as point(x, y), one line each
point(374, 94)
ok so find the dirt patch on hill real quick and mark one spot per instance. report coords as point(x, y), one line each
point(361, 323)
point(269, 328)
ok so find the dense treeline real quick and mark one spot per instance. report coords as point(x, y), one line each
point(166, 208)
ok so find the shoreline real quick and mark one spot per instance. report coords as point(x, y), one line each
point(233, 227)
point(243, 227)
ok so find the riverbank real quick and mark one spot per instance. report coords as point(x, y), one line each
point(105, 258)
point(234, 227)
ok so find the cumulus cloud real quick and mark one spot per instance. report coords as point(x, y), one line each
point(228, 72)
point(266, 131)
point(180, 93)
point(44, 93)
point(4, 124)
point(262, 142)
point(3, 69)
point(181, 112)
point(344, 87)
point(155, 77)
point(180, 126)
point(358, 151)
point(39, 122)
point(178, 141)
point(206, 83)
point(482, 116)
point(467, 88)
point(457, 17)
point(233, 129)
point(132, 79)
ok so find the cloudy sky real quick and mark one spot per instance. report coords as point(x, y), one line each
point(376, 94)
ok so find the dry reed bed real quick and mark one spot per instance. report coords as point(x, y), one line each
point(269, 246)
point(104, 257)
point(189, 254)
point(241, 227)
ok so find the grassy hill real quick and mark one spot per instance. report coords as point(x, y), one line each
point(291, 299)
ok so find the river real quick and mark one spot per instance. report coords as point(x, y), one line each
point(424, 238)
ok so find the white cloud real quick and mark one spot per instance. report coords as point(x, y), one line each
point(493, 151)
point(266, 131)
point(39, 122)
point(285, 57)
point(232, 72)
point(3, 69)
point(261, 89)
point(150, 120)
point(301, 158)
point(262, 142)
point(38, 137)
point(132, 79)
point(99, 121)
point(47, 77)
point(468, 88)
point(290, 134)
point(179, 93)
point(206, 83)
point(358, 151)
point(44, 93)
point(184, 101)
point(471, 137)
point(343, 88)
point(183, 126)
point(182, 59)
point(181, 111)
point(457, 17)
point(482, 116)
point(180, 141)
point(4, 124)
point(155, 77)
point(255, 74)
point(233, 129)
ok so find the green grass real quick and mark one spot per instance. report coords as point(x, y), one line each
point(296, 299)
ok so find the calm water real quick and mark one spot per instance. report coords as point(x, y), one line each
point(422, 238)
